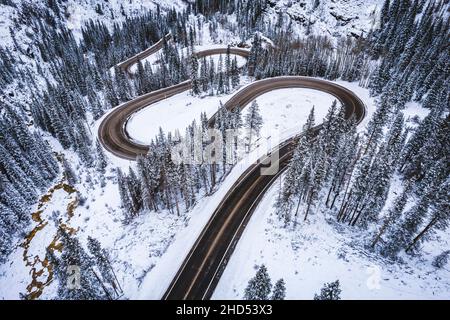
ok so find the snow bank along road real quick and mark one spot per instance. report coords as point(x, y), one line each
point(203, 266)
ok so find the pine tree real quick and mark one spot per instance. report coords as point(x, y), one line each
point(101, 162)
point(439, 215)
point(393, 215)
point(228, 69)
point(122, 85)
point(142, 82)
point(125, 195)
point(330, 291)
point(7, 223)
point(103, 263)
point(253, 122)
point(235, 79)
point(384, 14)
point(279, 290)
point(204, 75)
point(211, 76)
point(259, 287)
point(73, 255)
point(254, 57)
point(69, 174)
point(194, 75)
point(441, 260)
point(220, 76)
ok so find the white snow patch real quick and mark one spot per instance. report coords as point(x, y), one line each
point(319, 251)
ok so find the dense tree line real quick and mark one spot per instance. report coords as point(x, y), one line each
point(337, 170)
point(27, 165)
point(412, 47)
point(79, 87)
point(349, 175)
point(207, 78)
point(179, 167)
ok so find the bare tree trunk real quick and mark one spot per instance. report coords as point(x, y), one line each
point(422, 233)
point(329, 193)
point(380, 233)
point(309, 204)
point(102, 284)
point(344, 204)
point(114, 274)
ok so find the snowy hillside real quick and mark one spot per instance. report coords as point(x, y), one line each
point(136, 138)
point(330, 17)
point(76, 13)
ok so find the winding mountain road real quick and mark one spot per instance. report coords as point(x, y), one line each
point(126, 65)
point(201, 270)
point(204, 264)
point(112, 132)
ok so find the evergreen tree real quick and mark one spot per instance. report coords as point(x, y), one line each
point(253, 122)
point(220, 76)
point(259, 287)
point(228, 69)
point(83, 286)
point(235, 79)
point(441, 260)
point(279, 290)
point(103, 263)
point(195, 75)
point(101, 162)
point(330, 291)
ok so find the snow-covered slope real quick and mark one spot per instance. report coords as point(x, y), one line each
point(332, 17)
point(77, 12)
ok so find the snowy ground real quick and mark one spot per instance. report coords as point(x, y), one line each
point(282, 110)
point(318, 251)
point(158, 279)
point(147, 253)
point(134, 248)
point(333, 18)
point(174, 113)
point(285, 110)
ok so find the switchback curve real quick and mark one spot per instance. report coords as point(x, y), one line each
point(204, 264)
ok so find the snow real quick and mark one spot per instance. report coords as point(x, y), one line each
point(158, 279)
point(281, 110)
point(147, 253)
point(134, 248)
point(333, 18)
point(413, 110)
point(364, 95)
point(16, 276)
point(81, 11)
point(174, 113)
point(320, 251)
point(285, 110)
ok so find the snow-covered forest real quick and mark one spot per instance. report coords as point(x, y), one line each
point(67, 201)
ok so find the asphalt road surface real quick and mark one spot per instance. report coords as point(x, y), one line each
point(112, 132)
point(126, 65)
point(202, 268)
point(204, 264)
